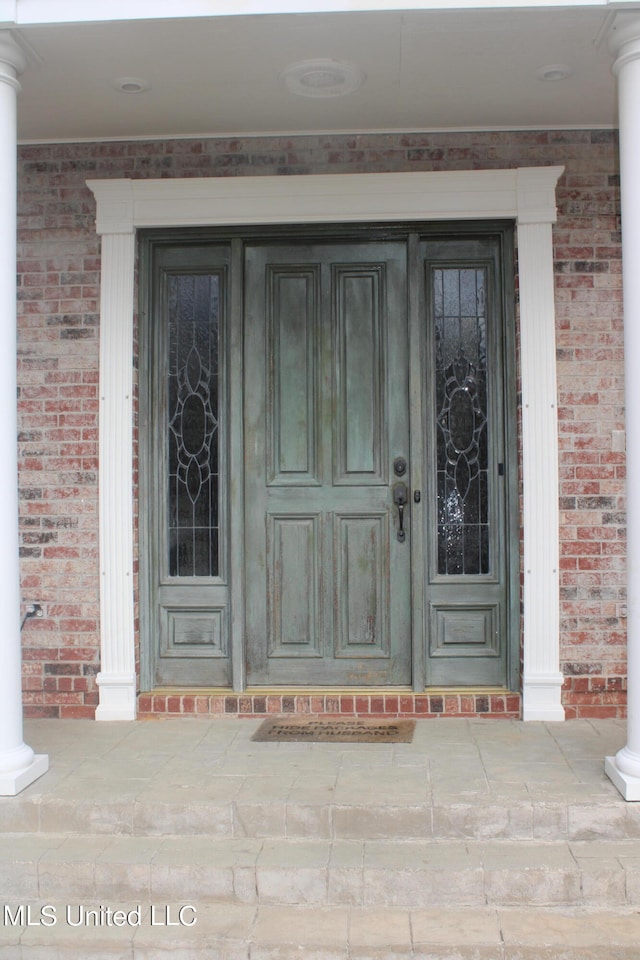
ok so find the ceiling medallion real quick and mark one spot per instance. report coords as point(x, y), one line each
point(322, 78)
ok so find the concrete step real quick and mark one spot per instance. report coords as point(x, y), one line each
point(373, 873)
point(458, 780)
point(249, 932)
point(605, 817)
point(478, 841)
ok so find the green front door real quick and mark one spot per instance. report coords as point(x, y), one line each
point(328, 580)
point(329, 462)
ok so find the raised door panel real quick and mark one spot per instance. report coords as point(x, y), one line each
point(360, 429)
point(466, 641)
point(294, 553)
point(292, 375)
point(362, 573)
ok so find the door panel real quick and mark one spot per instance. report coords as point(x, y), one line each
point(465, 454)
point(362, 602)
point(292, 340)
point(359, 375)
point(328, 585)
point(184, 573)
point(294, 552)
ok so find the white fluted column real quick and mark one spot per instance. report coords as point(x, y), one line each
point(18, 765)
point(624, 768)
point(117, 677)
point(542, 678)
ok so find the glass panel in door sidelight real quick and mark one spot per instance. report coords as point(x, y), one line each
point(467, 583)
point(184, 489)
point(192, 425)
point(459, 313)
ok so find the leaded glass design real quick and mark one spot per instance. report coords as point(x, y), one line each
point(193, 425)
point(459, 309)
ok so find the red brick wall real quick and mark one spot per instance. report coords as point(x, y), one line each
point(58, 282)
point(591, 410)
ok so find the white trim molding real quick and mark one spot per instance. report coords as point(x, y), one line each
point(30, 12)
point(117, 678)
point(526, 195)
point(542, 679)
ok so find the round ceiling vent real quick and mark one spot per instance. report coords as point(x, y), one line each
point(553, 72)
point(322, 78)
point(131, 84)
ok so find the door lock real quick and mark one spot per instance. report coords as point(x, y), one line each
point(400, 498)
point(399, 466)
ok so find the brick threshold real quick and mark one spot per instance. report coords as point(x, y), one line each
point(492, 703)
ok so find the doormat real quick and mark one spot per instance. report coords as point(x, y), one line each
point(335, 730)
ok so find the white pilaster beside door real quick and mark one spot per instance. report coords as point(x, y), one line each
point(542, 679)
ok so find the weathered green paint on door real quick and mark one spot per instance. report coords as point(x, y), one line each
point(469, 454)
point(272, 551)
point(326, 413)
point(184, 427)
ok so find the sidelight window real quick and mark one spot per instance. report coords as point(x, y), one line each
point(460, 316)
point(192, 426)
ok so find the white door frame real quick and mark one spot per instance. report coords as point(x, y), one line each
point(526, 195)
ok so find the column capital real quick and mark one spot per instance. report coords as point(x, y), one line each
point(12, 59)
point(624, 39)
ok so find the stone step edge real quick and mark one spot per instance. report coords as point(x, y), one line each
point(328, 873)
point(529, 820)
point(325, 933)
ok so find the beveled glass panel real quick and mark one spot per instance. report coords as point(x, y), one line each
point(459, 312)
point(192, 429)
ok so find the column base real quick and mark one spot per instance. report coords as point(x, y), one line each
point(117, 697)
point(11, 784)
point(627, 785)
point(542, 697)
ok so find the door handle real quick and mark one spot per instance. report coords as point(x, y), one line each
point(401, 498)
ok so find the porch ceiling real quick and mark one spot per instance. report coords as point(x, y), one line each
point(425, 70)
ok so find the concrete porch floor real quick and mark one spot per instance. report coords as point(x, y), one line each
point(492, 840)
